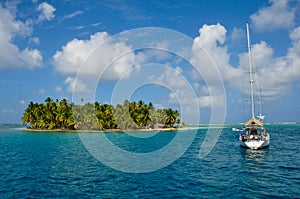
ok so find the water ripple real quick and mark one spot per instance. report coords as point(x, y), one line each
point(49, 165)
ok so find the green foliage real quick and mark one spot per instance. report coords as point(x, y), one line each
point(51, 115)
point(64, 115)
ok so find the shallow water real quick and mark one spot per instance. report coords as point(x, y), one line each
point(58, 165)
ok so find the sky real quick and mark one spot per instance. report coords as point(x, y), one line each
point(187, 55)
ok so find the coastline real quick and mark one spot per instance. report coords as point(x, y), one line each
point(188, 127)
point(104, 131)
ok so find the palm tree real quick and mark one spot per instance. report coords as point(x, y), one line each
point(50, 111)
point(105, 116)
point(28, 115)
point(146, 120)
point(171, 117)
point(64, 116)
point(139, 113)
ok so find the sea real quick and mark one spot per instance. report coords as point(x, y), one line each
point(42, 164)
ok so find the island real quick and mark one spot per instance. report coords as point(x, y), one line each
point(63, 115)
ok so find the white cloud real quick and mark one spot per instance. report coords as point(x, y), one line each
point(210, 56)
point(278, 14)
point(76, 86)
point(261, 56)
point(293, 57)
point(153, 55)
point(211, 34)
point(74, 14)
point(273, 75)
point(173, 78)
point(96, 24)
point(34, 40)
point(8, 111)
point(40, 92)
point(186, 97)
point(295, 35)
point(11, 56)
point(238, 34)
point(99, 57)
point(47, 12)
point(32, 58)
point(10, 26)
point(77, 27)
point(58, 89)
point(22, 102)
point(183, 92)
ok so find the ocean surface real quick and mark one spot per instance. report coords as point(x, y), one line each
point(59, 165)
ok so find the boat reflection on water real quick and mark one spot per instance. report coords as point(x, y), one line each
point(255, 160)
point(254, 155)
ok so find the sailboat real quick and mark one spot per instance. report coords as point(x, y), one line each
point(253, 135)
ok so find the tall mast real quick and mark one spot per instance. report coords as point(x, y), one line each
point(250, 65)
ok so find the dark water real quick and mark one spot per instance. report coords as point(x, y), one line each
point(57, 165)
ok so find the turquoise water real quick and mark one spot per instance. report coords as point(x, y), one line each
point(57, 165)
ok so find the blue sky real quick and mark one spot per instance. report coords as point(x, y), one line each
point(197, 57)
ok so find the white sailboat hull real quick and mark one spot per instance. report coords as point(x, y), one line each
point(255, 144)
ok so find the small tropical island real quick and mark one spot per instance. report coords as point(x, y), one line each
point(63, 115)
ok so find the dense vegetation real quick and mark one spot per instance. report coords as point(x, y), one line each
point(129, 115)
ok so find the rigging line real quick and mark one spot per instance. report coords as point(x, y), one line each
point(260, 100)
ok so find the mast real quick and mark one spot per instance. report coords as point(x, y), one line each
point(250, 66)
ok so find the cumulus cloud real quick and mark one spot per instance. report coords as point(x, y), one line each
point(76, 85)
point(10, 26)
point(11, 56)
point(187, 97)
point(99, 57)
point(32, 58)
point(210, 54)
point(278, 14)
point(102, 57)
point(237, 34)
point(293, 55)
point(173, 78)
point(47, 12)
point(273, 74)
point(183, 92)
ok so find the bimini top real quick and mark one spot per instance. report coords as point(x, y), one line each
point(254, 122)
